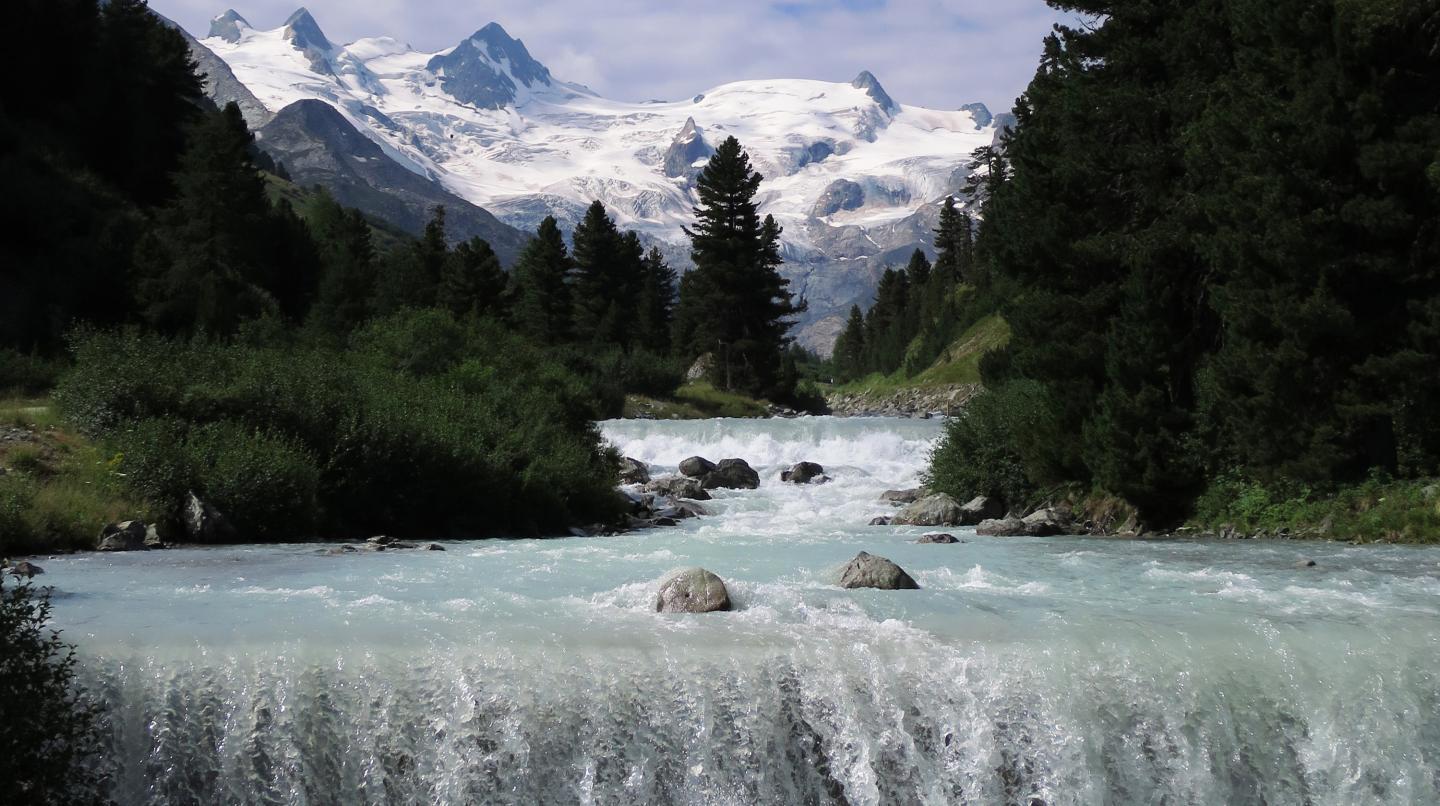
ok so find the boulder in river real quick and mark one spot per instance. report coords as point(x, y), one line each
point(870, 571)
point(434, 547)
point(634, 471)
point(880, 521)
point(204, 523)
point(1001, 527)
point(692, 590)
point(805, 473)
point(679, 487)
point(981, 508)
point(942, 538)
point(901, 497)
point(932, 510)
point(732, 474)
point(1045, 523)
point(26, 570)
point(123, 536)
point(697, 467)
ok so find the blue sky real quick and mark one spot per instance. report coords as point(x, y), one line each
point(937, 53)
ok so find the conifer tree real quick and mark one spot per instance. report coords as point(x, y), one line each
point(596, 275)
point(539, 293)
point(472, 280)
point(657, 308)
point(735, 303)
point(348, 261)
point(850, 347)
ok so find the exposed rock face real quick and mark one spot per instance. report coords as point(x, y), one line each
point(692, 590)
point(227, 26)
point(304, 33)
point(901, 496)
point(205, 524)
point(124, 536)
point(702, 367)
point(220, 84)
point(732, 474)
point(319, 146)
point(980, 112)
point(688, 148)
point(939, 538)
point(483, 71)
point(634, 471)
point(868, 82)
point(679, 487)
point(870, 571)
point(697, 467)
point(932, 510)
point(842, 194)
point(804, 473)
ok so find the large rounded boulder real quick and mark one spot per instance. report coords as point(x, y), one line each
point(732, 474)
point(692, 590)
point(870, 571)
point(125, 536)
point(804, 473)
point(932, 510)
point(634, 471)
point(697, 467)
point(679, 487)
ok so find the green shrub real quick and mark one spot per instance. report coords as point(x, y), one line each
point(22, 374)
point(996, 446)
point(49, 733)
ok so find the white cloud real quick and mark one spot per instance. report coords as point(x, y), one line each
point(938, 53)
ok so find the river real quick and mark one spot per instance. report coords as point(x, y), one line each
point(1025, 670)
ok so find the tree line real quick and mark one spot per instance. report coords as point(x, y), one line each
point(1220, 222)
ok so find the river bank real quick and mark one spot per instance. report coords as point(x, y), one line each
point(518, 671)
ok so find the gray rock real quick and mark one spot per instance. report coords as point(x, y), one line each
point(469, 73)
point(26, 570)
point(701, 369)
point(124, 536)
point(434, 547)
point(880, 521)
point(866, 81)
point(697, 467)
point(804, 473)
point(939, 537)
point(1306, 564)
point(152, 537)
point(981, 113)
point(679, 487)
point(688, 148)
point(732, 474)
point(204, 523)
point(227, 26)
point(901, 496)
point(1045, 523)
point(933, 510)
point(681, 512)
point(634, 471)
point(382, 540)
point(981, 508)
point(870, 571)
point(842, 194)
point(1001, 527)
point(634, 503)
point(692, 590)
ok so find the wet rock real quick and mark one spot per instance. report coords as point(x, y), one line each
point(805, 473)
point(1046, 523)
point(900, 497)
point(382, 540)
point(697, 467)
point(679, 487)
point(661, 520)
point(152, 537)
point(681, 512)
point(634, 471)
point(932, 510)
point(1001, 527)
point(434, 547)
point(939, 538)
point(732, 474)
point(204, 523)
point(634, 503)
point(870, 571)
point(880, 521)
point(692, 590)
point(26, 570)
point(1306, 564)
point(981, 508)
point(123, 536)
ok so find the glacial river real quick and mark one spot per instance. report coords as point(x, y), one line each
point(1054, 671)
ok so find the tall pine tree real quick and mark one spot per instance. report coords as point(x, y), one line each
point(539, 293)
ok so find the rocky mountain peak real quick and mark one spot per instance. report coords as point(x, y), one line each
point(980, 112)
point(688, 148)
point(228, 26)
point(871, 85)
point(304, 31)
point(483, 70)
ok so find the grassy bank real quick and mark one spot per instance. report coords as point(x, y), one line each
point(695, 401)
point(1376, 511)
point(958, 364)
point(58, 488)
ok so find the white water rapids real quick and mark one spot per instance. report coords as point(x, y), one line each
point(1055, 671)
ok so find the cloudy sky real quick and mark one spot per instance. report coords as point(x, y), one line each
point(936, 53)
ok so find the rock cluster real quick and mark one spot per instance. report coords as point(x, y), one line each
point(729, 474)
point(634, 471)
point(1041, 523)
point(929, 402)
point(129, 536)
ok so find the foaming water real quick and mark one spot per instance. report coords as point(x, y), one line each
point(1055, 670)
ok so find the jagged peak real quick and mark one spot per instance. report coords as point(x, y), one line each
point(688, 132)
point(497, 43)
point(304, 31)
point(871, 85)
point(980, 112)
point(227, 26)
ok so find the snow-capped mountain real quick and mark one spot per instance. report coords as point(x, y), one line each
point(853, 176)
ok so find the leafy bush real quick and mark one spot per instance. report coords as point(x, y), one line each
point(22, 374)
point(1378, 509)
point(995, 447)
point(49, 739)
point(424, 427)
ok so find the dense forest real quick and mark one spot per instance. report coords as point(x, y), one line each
point(1218, 224)
point(306, 370)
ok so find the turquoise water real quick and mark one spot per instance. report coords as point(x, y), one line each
point(1057, 670)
